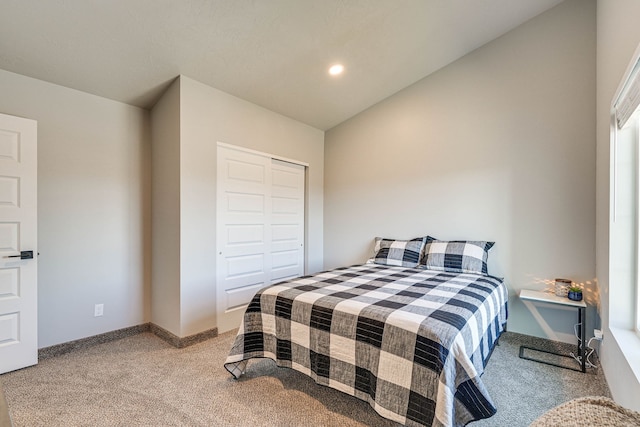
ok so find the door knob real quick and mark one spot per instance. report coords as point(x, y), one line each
point(23, 255)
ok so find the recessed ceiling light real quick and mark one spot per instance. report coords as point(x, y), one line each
point(336, 69)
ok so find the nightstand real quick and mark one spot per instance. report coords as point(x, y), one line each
point(544, 297)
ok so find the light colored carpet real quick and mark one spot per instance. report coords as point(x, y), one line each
point(143, 381)
point(523, 390)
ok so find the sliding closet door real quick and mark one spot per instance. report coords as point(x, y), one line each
point(287, 220)
point(260, 228)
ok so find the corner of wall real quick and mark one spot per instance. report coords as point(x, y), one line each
point(165, 212)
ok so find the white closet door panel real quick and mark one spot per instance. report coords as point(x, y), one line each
point(245, 267)
point(243, 239)
point(243, 235)
point(237, 299)
point(286, 237)
point(246, 171)
point(286, 265)
point(285, 249)
point(287, 183)
point(260, 230)
point(287, 220)
point(286, 232)
point(245, 205)
point(284, 207)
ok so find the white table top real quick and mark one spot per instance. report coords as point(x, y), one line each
point(550, 298)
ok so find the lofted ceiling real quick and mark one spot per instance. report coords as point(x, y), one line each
point(274, 53)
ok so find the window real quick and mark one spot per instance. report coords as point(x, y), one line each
point(624, 232)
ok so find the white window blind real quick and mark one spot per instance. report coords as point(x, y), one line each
point(629, 98)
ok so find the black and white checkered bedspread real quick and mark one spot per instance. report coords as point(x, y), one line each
point(413, 343)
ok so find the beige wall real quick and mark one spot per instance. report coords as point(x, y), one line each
point(93, 208)
point(618, 38)
point(165, 210)
point(497, 146)
point(208, 116)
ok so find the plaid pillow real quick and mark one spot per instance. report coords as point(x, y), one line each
point(402, 253)
point(457, 256)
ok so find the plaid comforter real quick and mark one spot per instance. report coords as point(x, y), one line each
point(413, 343)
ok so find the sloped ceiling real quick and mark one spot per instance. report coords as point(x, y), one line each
point(274, 53)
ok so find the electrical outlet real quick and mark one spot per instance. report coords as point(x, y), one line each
point(98, 310)
point(597, 333)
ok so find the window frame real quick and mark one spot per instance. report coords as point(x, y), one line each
point(635, 122)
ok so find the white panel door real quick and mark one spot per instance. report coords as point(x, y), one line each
point(242, 234)
point(18, 243)
point(260, 228)
point(287, 220)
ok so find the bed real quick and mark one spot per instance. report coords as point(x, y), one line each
point(411, 339)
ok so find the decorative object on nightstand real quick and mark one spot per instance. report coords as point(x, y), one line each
point(562, 287)
point(575, 293)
